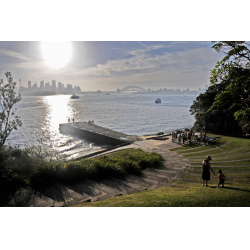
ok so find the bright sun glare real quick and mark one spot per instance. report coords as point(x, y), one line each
point(56, 54)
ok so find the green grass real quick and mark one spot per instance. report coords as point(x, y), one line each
point(192, 195)
point(190, 192)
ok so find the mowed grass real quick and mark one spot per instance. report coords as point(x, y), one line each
point(189, 195)
point(189, 192)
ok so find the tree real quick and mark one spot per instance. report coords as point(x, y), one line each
point(200, 107)
point(226, 104)
point(234, 73)
point(239, 52)
point(8, 99)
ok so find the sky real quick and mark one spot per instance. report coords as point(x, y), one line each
point(114, 65)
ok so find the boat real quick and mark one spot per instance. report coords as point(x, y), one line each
point(158, 100)
point(74, 96)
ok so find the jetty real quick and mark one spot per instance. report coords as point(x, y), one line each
point(97, 134)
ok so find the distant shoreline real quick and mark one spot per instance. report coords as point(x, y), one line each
point(42, 93)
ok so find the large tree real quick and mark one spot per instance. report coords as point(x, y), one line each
point(8, 99)
point(234, 70)
point(228, 108)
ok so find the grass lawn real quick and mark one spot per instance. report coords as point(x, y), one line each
point(190, 195)
point(189, 192)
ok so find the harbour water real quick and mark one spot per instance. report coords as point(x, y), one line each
point(135, 114)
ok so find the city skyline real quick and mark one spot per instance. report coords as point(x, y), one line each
point(56, 87)
point(111, 65)
point(59, 88)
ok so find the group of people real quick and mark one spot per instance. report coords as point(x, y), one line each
point(203, 138)
point(188, 136)
point(90, 122)
point(206, 167)
point(72, 120)
point(182, 137)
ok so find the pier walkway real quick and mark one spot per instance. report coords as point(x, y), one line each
point(105, 131)
point(97, 134)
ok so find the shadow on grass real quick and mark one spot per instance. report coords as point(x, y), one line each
point(238, 189)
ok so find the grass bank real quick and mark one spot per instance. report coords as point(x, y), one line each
point(189, 191)
point(188, 195)
point(22, 168)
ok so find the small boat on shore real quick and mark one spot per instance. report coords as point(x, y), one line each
point(158, 100)
point(74, 96)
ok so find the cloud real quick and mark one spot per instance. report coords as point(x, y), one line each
point(182, 61)
point(189, 66)
point(11, 53)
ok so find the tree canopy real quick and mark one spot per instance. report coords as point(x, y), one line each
point(225, 106)
point(8, 99)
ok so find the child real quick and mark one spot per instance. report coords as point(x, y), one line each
point(221, 178)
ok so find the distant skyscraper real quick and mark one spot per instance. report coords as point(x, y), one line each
point(34, 88)
point(54, 85)
point(59, 87)
point(29, 84)
point(47, 86)
point(69, 89)
point(42, 85)
point(78, 90)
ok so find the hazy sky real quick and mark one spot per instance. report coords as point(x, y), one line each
point(113, 65)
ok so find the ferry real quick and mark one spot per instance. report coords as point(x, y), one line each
point(158, 100)
point(74, 96)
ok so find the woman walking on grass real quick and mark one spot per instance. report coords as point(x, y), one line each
point(206, 170)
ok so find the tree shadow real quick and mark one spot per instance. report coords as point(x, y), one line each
point(238, 189)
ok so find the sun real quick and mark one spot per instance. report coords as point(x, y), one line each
point(56, 54)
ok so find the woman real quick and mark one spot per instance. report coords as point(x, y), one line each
point(206, 170)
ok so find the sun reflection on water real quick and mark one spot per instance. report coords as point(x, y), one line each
point(58, 111)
